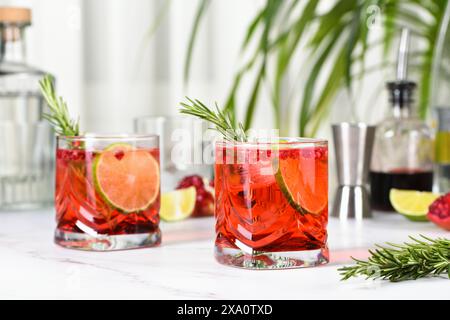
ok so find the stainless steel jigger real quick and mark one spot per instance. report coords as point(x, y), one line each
point(353, 144)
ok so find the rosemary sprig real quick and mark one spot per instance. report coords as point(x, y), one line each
point(222, 121)
point(409, 261)
point(59, 115)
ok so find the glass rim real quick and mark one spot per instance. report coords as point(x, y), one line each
point(106, 137)
point(285, 141)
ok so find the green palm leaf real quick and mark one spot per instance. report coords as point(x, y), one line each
point(203, 5)
point(338, 41)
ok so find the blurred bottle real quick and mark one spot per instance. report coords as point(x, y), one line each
point(442, 150)
point(26, 141)
point(182, 147)
point(402, 157)
point(440, 97)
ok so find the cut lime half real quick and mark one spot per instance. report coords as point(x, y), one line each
point(127, 178)
point(304, 183)
point(412, 204)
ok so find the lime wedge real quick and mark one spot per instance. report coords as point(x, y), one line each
point(178, 205)
point(126, 178)
point(304, 183)
point(412, 204)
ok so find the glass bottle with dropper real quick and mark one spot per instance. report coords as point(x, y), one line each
point(403, 147)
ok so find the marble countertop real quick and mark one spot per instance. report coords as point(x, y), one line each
point(183, 267)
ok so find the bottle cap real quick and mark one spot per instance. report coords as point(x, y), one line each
point(15, 15)
point(401, 93)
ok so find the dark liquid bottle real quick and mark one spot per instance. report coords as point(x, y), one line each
point(403, 146)
point(382, 182)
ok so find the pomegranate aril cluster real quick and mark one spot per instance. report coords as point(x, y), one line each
point(439, 211)
point(204, 203)
point(71, 155)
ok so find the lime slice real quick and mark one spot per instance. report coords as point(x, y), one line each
point(304, 183)
point(178, 205)
point(127, 178)
point(412, 204)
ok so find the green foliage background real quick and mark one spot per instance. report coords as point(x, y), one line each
point(340, 37)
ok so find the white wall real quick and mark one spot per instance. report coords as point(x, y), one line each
point(55, 44)
point(110, 71)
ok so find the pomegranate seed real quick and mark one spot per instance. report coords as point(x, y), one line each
point(119, 155)
point(439, 211)
point(204, 204)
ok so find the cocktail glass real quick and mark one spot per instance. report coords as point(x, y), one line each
point(272, 203)
point(182, 143)
point(107, 192)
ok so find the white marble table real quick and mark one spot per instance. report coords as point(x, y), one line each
point(31, 266)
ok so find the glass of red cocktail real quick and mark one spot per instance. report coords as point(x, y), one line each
point(107, 192)
point(272, 203)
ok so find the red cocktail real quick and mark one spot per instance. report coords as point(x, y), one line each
point(107, 192)
point(272, 203)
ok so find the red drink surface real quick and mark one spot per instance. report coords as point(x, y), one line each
point(251, 208)
point(80, 207)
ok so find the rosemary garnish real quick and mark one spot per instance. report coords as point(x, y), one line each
point(59, 115)
point(222, 121)
point(408, 261)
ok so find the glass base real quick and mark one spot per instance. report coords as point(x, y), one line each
point(271, 260)
point(83, 241)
